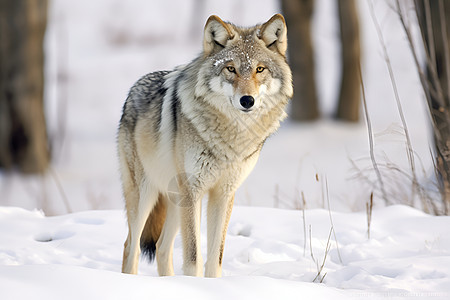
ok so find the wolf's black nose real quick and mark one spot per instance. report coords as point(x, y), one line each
point(247, 101)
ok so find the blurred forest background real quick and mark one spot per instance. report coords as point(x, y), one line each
point(66, 69)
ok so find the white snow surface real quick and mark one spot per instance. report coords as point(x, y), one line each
point(78, 256)
point(95, 51)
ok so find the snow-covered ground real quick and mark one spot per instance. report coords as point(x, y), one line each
point(78, 256)
point(97, 49)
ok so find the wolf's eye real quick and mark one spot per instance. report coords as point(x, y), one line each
point(260, 69)
point(231, 69)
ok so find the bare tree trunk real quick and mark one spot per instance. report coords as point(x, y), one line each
point(434, 21)
point(23, 137)
point(298, 14)
point(350, 93)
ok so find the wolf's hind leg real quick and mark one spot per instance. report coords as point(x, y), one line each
point(219, 209)
point(137, 216)
point(164, 247)
point(132, 196)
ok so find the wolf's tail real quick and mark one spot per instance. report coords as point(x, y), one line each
point(152, 229)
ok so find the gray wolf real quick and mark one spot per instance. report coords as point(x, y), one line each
point(199, 130)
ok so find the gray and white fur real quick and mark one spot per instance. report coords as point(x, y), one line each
point(198, 130)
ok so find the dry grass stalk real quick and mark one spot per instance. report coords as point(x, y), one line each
point(371, 142)
point(369, 206)
point(322, 265)
point(331, 220)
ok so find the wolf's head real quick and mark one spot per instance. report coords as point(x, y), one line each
point(247, 66)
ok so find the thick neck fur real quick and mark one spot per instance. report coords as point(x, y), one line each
point(222, 128)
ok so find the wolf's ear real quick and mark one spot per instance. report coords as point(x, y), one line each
point(216, 34)
point(274, 34)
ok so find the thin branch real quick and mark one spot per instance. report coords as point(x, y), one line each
point(371, 143)
point(432, 50)
point(410, 152)
point(304, 224)
point(331, 221)
point(310, 245)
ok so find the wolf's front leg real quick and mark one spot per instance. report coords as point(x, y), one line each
point(190, 234)
point(220, 204)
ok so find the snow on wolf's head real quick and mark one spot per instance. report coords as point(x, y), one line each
point(245, 68)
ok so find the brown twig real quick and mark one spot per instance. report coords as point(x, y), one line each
point(369, 206)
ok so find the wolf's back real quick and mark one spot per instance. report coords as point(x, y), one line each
point(146, 95)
